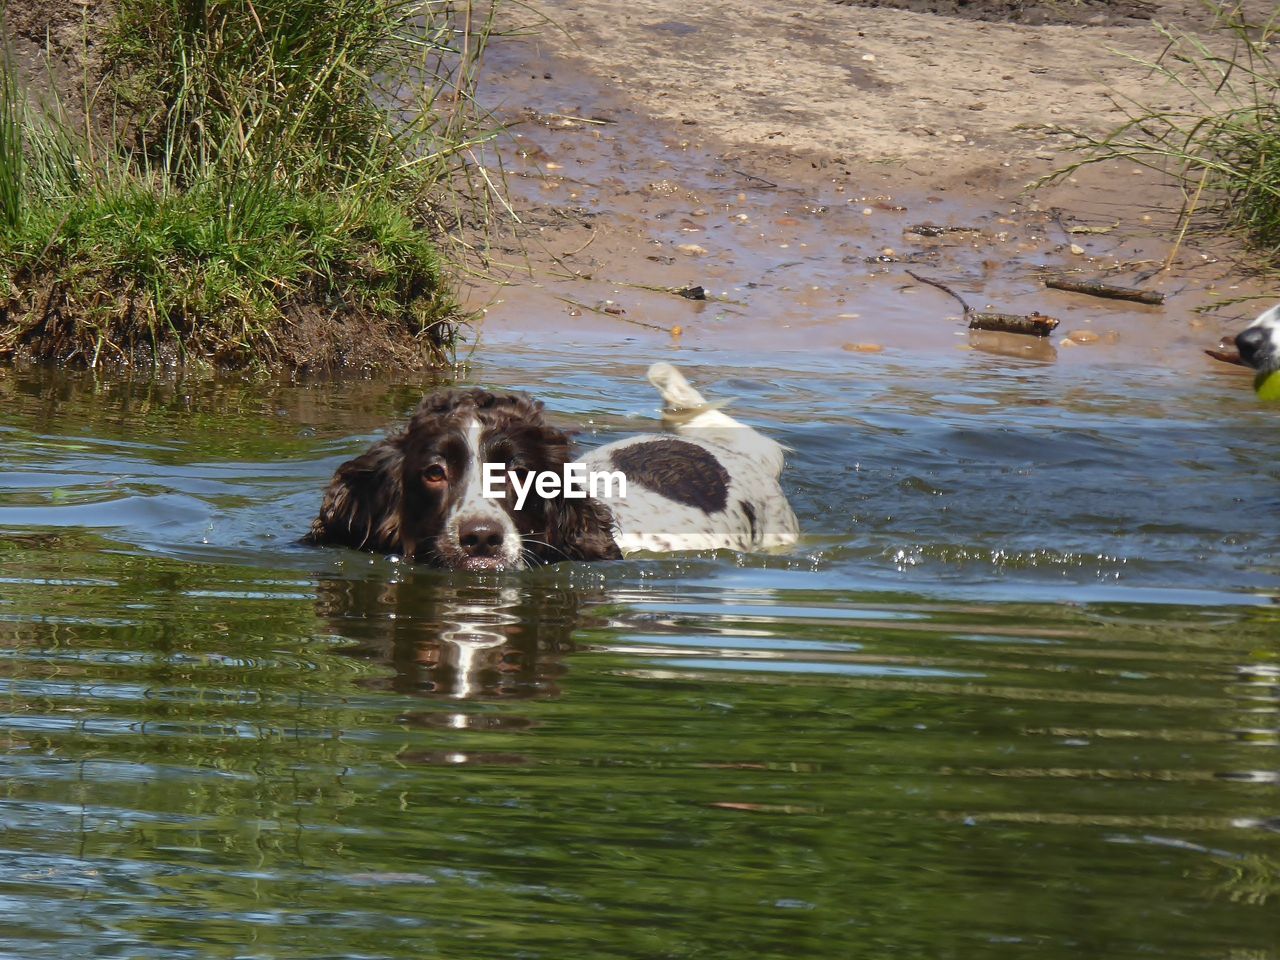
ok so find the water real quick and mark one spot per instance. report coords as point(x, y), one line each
point(1015, 695)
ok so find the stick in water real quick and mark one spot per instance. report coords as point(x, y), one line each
point(943, 287)
point(1034, 325)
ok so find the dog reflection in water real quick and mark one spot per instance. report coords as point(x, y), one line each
point(473, 642)
point(445, 639)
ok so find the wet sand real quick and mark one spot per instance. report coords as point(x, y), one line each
point(639, 164)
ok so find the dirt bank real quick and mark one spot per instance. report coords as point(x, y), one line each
point(56, 47)
point(877, 82)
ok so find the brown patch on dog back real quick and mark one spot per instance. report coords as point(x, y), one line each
point(679, 470)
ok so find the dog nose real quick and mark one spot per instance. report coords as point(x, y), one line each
point(480, 538)
point(1250, 343)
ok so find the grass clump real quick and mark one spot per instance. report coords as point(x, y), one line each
point(280, 275)
point(261, 194)
point(1225, 146)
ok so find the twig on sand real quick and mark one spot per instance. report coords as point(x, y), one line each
point(1096, 289)
point(576, 250)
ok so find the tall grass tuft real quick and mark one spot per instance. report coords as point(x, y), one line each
point(1224, 146)
point(255, 184)
point(217, 87)
point(11, 162)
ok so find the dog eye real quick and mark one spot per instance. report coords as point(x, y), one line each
point(435, 474)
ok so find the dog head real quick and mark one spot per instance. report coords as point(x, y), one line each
point(1259, 344)
point(444, 517)
point(420, 493)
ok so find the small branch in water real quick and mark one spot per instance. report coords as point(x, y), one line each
point(1032, 325)
point(1095, 289)
point(692, 292)
point(769, 184)
point(943, 287)
point(1088, 229)
point(934, 230)
point(601, 121)
point(612, 316)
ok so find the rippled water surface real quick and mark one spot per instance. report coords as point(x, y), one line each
point(1016, 694)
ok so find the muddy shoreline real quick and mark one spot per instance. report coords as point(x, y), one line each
point(803, 247)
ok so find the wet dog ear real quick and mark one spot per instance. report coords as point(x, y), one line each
point(555, 446)
point(579, 530)
point(361, 506)
point(576, 529)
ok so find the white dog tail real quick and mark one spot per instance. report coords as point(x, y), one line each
point(685, 411)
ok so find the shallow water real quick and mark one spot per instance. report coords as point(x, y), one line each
point(1016, 694)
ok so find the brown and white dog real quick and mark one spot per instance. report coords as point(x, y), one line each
point(421, 493)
